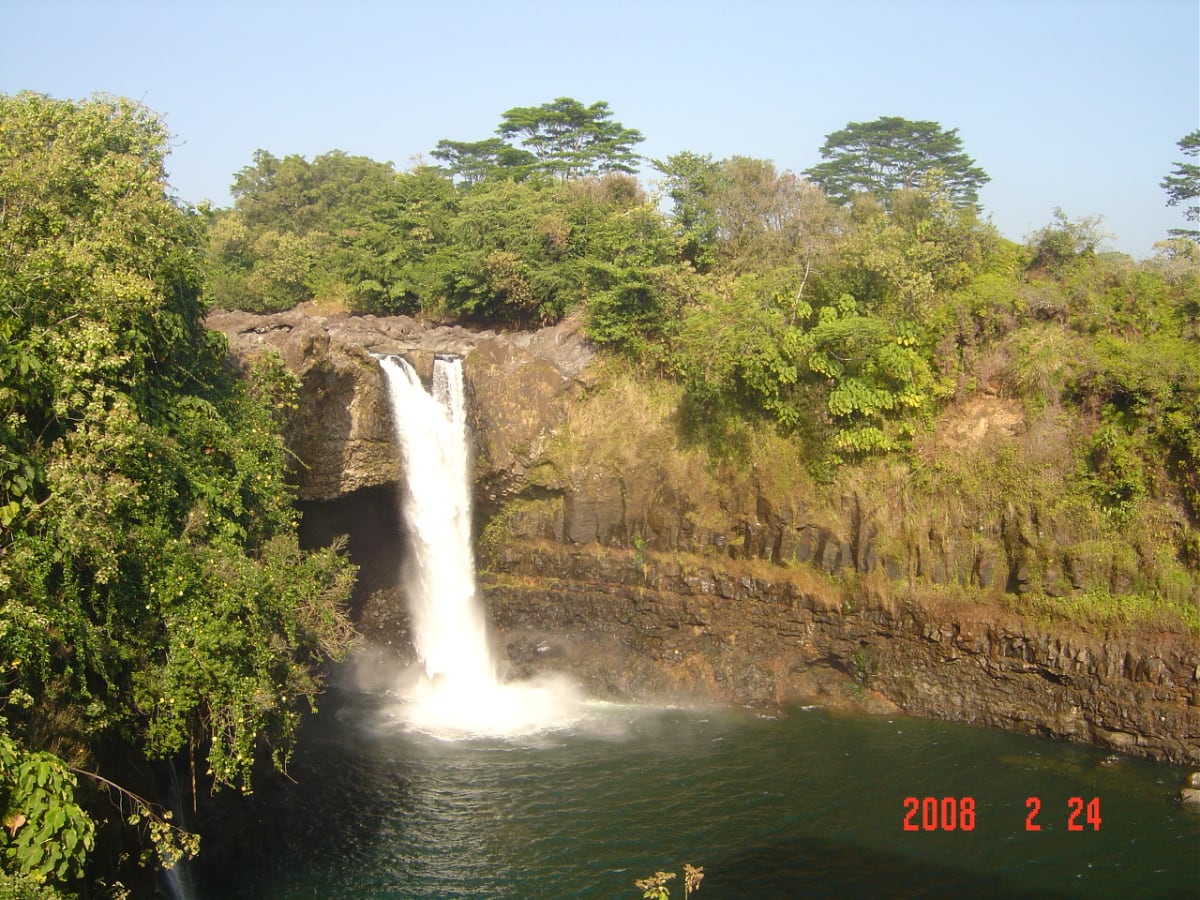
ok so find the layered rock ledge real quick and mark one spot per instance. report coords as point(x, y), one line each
point(648, 626)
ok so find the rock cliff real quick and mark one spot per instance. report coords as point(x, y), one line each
point(652, 626)
point(616, 550)
point(341, 436)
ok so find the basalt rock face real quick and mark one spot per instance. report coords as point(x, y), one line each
point(521, 389)
point(869, 521)
point(341, 437)
point(631, 625)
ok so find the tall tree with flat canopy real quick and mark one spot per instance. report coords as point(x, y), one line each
point(571, 140)
point(470, 162)
point(892, 154)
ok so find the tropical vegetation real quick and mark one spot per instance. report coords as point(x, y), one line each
point(154, 602)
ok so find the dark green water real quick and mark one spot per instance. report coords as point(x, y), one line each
point(811, 804)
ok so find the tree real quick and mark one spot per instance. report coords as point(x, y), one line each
point(470, 162)
point(501, 259)
point(767, 218)
point(1054, 247)
point(570, 140)
point(730, 354)
point(522, 253)
point(625, 262)
point(903, 262)
point(742, 212)
point(343, 228)
point(153, 596)
point(891, 154)
point(298, 196)
point(691, 182)
point(1183, 184)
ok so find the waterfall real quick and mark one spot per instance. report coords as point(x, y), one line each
point(457, 690)
point(449, 629)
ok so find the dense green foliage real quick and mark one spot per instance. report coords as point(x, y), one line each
point(339, 227)
point(48, 832)
point(515, 252)
point(152, 593)
point(844, 310)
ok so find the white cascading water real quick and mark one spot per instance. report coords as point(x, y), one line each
point(457, 691)
point(449, 631)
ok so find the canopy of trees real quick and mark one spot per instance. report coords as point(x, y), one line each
point(153, 599)
point(742, 213)
point(893, 154)
point(339, 226)
point(519, 251)
point(762, 291)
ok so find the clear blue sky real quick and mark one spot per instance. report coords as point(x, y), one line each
point(1065, 103)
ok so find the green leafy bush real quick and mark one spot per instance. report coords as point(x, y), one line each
point(147, 532)
point(46, 834)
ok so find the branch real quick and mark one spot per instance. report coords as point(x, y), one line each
point(800, 292)
point(171, 843)
point(123, 792)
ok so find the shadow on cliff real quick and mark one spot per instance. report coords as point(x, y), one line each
point(370, 520)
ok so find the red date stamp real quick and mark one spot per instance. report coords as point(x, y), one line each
point(939, 813)
point(959, 814)
point(1076, 807)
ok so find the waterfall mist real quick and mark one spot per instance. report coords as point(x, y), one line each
point(456, 689)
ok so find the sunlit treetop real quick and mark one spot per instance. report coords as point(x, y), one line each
point(892, 154)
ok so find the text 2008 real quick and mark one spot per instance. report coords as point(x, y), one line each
point(939, 813)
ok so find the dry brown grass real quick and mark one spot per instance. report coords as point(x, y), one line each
point(621, 423)
point(628, 427)
point(335, 301)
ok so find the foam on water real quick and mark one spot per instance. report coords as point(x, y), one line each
point(453, 710)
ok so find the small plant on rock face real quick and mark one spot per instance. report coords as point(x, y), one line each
point(861, 669)
point(639, 553)
point(655, 888)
